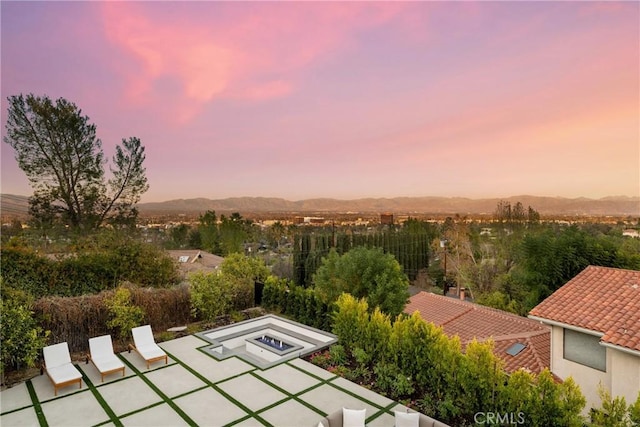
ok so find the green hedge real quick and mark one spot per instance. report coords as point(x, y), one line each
point(87, 272)
point(76, 319)
point(297, 302)
point(415, 362)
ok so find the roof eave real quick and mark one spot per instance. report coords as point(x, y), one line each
point(566, 326)
point(620, 348)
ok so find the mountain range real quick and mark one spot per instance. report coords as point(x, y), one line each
point(613, 206)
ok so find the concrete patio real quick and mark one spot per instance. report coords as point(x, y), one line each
point(193, 389)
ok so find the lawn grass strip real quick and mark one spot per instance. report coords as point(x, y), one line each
point(112, 415)
point(329, 382)
point(36, 405)
point(380, 410)
point(17, 409)
point(312, 374)
point(238, 421)
point(163, 396)
point(293, 396)
point(386, 410)
point(218, 389)
point(141, 409)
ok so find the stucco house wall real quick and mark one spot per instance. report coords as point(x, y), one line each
point(622, 376)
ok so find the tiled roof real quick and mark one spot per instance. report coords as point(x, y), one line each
point(468, 321)
point(600, 299)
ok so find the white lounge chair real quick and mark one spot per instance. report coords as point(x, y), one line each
point(58, 366)
point(102, 356)
point(145, 345)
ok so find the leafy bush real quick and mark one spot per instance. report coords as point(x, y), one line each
point(76, 319)
point(338, 354)
point(393, 382)
point(23, 269)
point(634, 412)
point(322, 359)
point(302, 304)
point(613, 412)
point(364, 273)
point(21, 337)
point(211, 295)
point(422, 364)
point(123, 315)
point(87, 268)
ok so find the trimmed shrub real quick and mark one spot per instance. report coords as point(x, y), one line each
point(302, 304)
point(76, 319)
point(90, 271)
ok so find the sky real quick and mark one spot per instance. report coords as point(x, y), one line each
point(343, 99)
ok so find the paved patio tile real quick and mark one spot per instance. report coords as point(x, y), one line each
point(174, 380)
point(216, 371)
point(138, 362)
point(312, 369)
point(14, 398)
point(384, 420)
point(24, 417)
point(81, 410)
point(182, 346)
point(329, 399)
point(399, 407)
point(249, 422)
point(291, 414)
point(209, 408)
point(363, 392)
point(128, 395)
point(139, 405)
point(158, 416)
point(45, 391)
point(94, 376)
point(251, 392)
point(288, 378)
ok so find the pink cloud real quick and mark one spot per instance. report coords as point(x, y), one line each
point(201, 67)
point(273, 89)
point(253, 54)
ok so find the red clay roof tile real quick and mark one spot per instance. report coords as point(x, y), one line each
point(600, 299)
point(468, 321)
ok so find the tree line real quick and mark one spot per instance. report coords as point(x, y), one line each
point(409, 245)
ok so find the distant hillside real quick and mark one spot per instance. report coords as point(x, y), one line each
point(14, 206)
point(615, 206)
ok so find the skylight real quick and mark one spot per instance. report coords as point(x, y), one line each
point(516, 348)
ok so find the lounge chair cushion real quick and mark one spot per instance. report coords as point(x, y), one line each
point(146, 345)
point(56, 355)
point(57, 362)
point(143, 336)
point(150, 351)
point(405, 419)
point(63, 373)
point(102, 355)
point(353, 417)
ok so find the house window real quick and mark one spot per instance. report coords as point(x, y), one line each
point(585, 349)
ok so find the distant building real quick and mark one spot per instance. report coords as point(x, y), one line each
point(520, 342)
point(386, 219)
point(192, 260)
point(308, 220)
point(595, 337)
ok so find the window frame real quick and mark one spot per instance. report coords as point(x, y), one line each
point(590, 343)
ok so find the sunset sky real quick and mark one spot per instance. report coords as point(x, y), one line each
point(343, 99)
